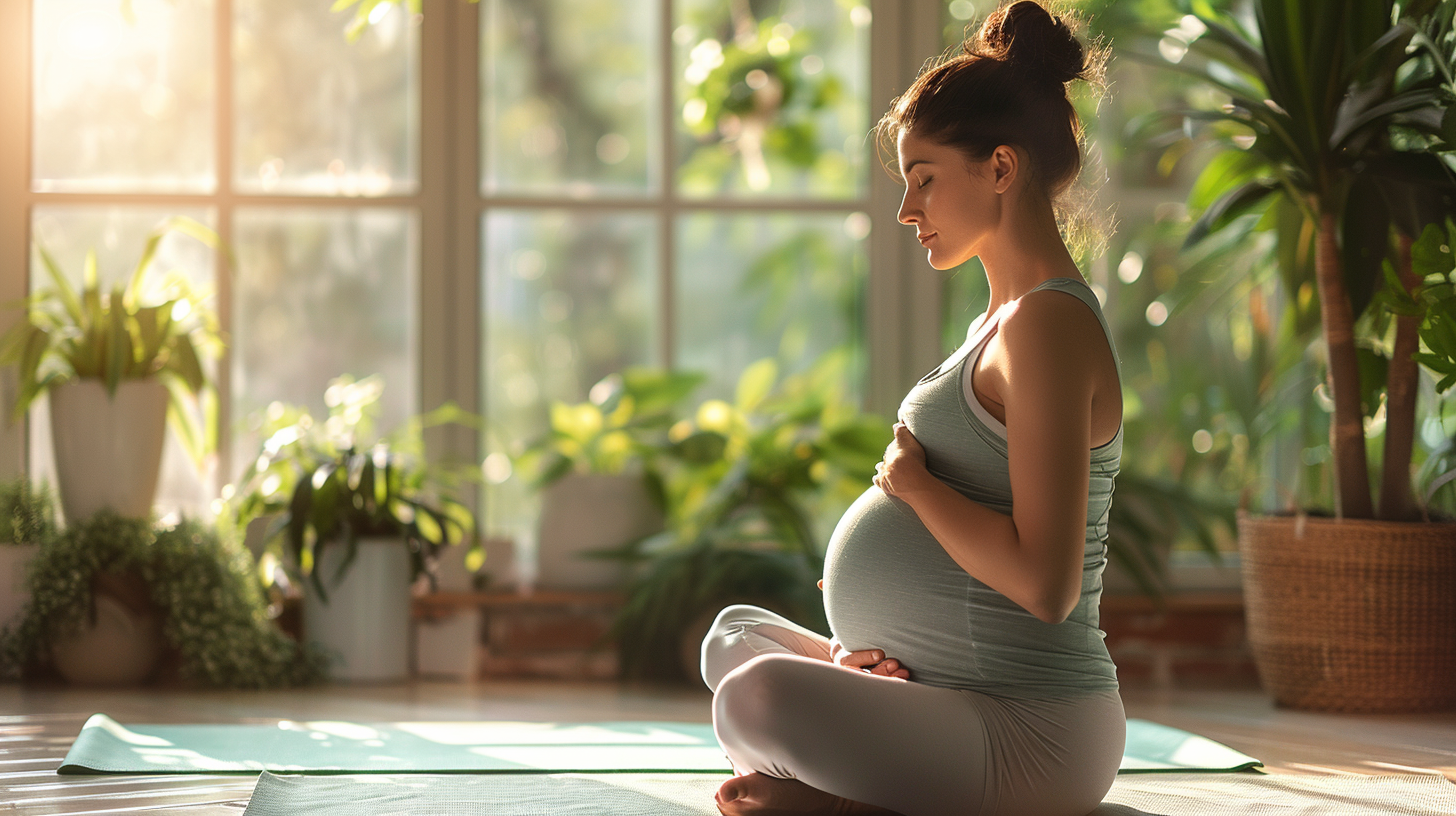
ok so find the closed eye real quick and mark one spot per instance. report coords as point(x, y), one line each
point(923, 183)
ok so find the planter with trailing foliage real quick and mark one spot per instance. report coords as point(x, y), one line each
point(1336, 125)
point(111, 596)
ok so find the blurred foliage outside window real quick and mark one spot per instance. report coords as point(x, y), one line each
point(767, 106)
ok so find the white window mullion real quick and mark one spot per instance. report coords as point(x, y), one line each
point(437, 321)
point(226, 205)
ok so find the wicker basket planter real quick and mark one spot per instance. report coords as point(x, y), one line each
point(1352, 615)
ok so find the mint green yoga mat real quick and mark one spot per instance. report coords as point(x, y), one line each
point(107, 747)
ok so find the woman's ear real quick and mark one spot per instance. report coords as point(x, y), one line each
point(1005, 164)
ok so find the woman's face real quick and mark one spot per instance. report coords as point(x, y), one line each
point(951, 201)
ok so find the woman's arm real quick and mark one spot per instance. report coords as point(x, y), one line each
point(1033, 556)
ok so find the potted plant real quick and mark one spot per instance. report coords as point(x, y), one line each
point(360, 519)
point(115, 601)
point(598, 475)
point(27, 520)
point(116, 365)
point(750, 489)
point(1334, 121)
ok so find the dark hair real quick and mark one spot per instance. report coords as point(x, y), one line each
point(1006, 86)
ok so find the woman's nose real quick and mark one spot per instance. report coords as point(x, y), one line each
point(907, 214)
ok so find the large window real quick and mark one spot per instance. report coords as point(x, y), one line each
point(681, 183)
point(300, 148)
point(497, 203)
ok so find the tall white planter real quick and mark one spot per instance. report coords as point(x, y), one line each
point(364, 627)
point(585, 512)
point(13, 560)
point(108, 451)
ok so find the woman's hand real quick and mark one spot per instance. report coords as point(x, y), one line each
point(900, 472)
point(869, 661)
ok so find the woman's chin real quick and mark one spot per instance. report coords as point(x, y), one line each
point(941, 262)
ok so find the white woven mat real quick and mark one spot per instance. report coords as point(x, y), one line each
point(1172, 794)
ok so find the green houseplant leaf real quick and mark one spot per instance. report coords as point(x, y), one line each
point(112, 336)
point(328, 486)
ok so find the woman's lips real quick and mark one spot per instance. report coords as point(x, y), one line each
point(925, 239)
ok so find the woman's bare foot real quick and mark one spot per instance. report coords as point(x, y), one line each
point(758, 794)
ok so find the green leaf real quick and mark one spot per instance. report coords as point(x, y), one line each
point(183, 360)
point(1349, 124)
point(1241, 47)
point(151, 331)
point(37, 342)
point(300, 506)
point(1364, 241)
point(428, 524)
point(755, 383)
point(1374, 370)
point(118, 343)
point(183, 422)
point(1231, 205)
point(64, 290)
point(655, 391)
point(1428, 257)
point(88, 272)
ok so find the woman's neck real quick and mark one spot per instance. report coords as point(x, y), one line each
point(1025, 250)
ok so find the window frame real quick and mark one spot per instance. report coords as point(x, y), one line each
point(450, 206)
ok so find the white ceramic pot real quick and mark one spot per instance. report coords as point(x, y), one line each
point(584, 512)
point(108, 451)
point(364, 626)
point(13, 560)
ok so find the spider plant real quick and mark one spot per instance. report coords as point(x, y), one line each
point(132, 332)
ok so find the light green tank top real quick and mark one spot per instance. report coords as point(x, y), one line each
point(888, 584)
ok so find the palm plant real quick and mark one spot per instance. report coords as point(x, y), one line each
point(1335, 119)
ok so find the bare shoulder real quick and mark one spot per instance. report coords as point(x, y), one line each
point(1051, 325)
point(1055, 348)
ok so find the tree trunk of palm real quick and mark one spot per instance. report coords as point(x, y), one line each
point(1397, 503)
point(1347, 430)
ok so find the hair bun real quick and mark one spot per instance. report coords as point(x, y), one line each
point(1025, 35)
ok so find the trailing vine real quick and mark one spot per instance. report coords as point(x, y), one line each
point(215, 614)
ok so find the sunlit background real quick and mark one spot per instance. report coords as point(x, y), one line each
point(685, 183)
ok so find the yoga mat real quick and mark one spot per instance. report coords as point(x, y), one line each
point(329, 747)
point(692, 795)
point(105, 746)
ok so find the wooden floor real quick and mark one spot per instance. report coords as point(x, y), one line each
point(37, 726)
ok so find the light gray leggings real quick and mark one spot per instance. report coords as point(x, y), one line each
point(780, 707)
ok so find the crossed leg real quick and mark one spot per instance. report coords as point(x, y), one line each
point(812, 736)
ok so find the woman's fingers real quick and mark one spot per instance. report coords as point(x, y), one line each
point(860, 660)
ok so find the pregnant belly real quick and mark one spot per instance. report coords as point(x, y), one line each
point(888, 584)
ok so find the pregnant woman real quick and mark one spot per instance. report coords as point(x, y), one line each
point(967, 674)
